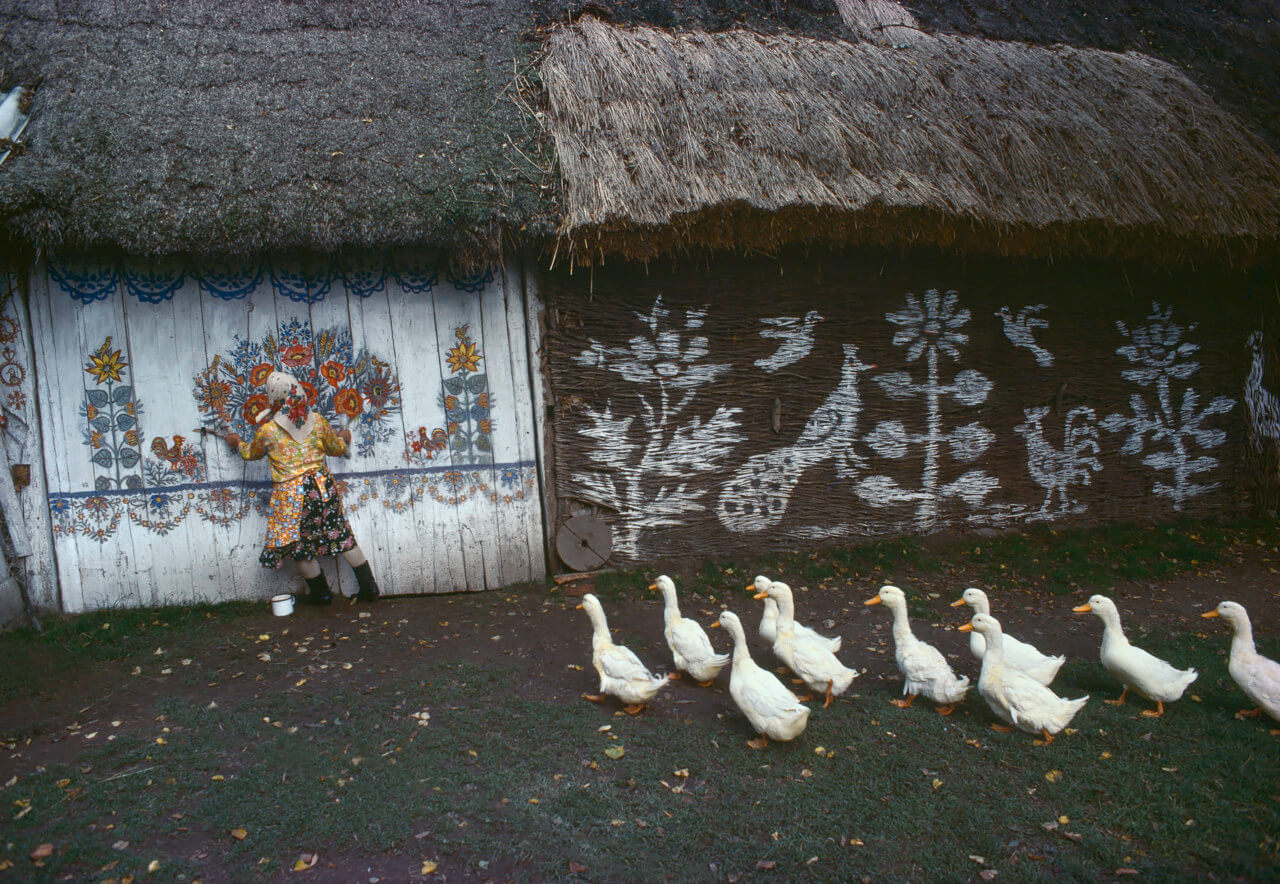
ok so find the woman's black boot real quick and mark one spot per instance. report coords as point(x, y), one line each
point(368, 586)
point(318, 590)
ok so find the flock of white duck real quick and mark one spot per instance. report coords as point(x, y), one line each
point(1014, 677)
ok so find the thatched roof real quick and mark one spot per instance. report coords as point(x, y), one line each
point(243, 126)
point(738, 139)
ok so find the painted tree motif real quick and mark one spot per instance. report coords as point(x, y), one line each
point(931, 327)
point(111, 414)
point(666, 363)
point(1162, 357)
point(1057, 469)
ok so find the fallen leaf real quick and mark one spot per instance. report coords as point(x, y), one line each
point(1064, 819)
point(42, 852)
point(1053, 776)
point(988, 874)
point(120, 845)
point(615, 752)
point(239, 834)
point(766, 864)
point(428, 866)
point(937, 783)
point(980, 860)
point(305, 861)
point(1126, 871)
point(153, 865)
point(576, 868)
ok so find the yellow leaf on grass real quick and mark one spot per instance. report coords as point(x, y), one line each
point(615, 752)
point(428, 866)
point(153, 865)
point(239, 834)
point(1053, 776)
point(305, 861)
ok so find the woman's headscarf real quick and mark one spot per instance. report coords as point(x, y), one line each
point(288, 401)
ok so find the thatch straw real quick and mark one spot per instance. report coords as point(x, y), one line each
point(668, 140)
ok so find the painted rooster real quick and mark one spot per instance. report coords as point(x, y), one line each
point(1057, 470)
point(171, 453)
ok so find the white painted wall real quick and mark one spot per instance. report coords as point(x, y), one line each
point(158, 521)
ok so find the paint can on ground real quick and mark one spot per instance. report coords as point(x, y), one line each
point(282, 605)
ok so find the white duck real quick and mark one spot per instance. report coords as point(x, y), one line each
point(1258, 676)
point(1143, 672)
point(621, 672)
point(690, 647)
point(1017, 654)
point(769, 622)
point(922, 665)
point(808, 656)
point(772, 709)
point(1014, 696)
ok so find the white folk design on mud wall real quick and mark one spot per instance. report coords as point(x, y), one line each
point(1018, 329)
point(1161, 357)
point(1057, 469)
point(1261, 405)
point(756, 497)
point(931, 327)
point(796, 335)
point(667, 363)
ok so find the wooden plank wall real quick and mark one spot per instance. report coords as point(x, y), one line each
point(709, 409)
point(428, 370)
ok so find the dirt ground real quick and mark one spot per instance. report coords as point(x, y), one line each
point(518, 626)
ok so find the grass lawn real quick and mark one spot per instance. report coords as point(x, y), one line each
point(378, 746)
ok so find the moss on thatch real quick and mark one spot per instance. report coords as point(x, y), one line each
point(239, 127)
point(741, 140)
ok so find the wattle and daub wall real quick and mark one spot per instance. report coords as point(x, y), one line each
point(773, 404)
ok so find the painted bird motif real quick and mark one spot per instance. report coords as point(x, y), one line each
point(757, 495)
point(171, 453)
point(1018, 329)
point(796, 335)
point(1056, 470)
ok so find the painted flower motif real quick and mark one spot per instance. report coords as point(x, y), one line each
point(214, 392)
point(486, 426)
point(450, 403)
point(105, 364)
point(483, 399)
point(348, 402)
point(1158, 348)
point(17, 400)
point(59, 506)
point(454, 479)
point(131, 408)
point(131, 437)
point(509, 477)
point(90, 412)
point(97, 506)
point(379, 389)
point(189, 465)
point(933, 324)
point(464, 357)
point(95, 439)
point(333, 372)
point(296, 355)
point(254, 406)
point(310, 391)
point(451, 427)
point(259, 373)
point(159, 502)
point(663, 356)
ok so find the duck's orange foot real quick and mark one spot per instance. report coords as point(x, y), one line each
point(1155, 713)
point(1119, 701)
point(759, 742)
point(1249, 713)
point(903, 704)
point(947, 709)
point(706, 684)
point(594, 698)
point(805, 699)
point(633, 709)
point(827, 702)
point(675, 676)
point(1002, 728)
point(1048, 738)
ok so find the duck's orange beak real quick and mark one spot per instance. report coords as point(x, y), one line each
point(968, 627)
point(715, 624)
point(579, 606)
point(1083, 609)
point(750, 587)
point(761, 595)
point(1210, 614)
point(957, 603)
point(653, 586)
point(874, 600)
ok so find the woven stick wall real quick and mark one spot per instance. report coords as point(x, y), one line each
point(776, 404)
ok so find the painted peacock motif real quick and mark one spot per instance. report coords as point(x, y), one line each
point(757, 496)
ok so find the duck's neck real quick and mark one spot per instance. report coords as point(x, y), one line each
point(992, 658)
point(1112, 631)
point(1242, 641)
point(599, 630)
point(901, 623)
point(741, 654)
point(671, 611)
point(981, 605)
point(786, 611)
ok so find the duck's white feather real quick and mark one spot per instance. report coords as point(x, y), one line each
point(809, 658)
point(1017, 654)
point(1257, 676)
point(622, 675)
point(1013, 696)
point(772, 709)
point(1137, 669)
point(691, 648)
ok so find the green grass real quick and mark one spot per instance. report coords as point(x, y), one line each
point(498, 777)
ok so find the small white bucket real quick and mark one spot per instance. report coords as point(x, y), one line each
point(282, 605)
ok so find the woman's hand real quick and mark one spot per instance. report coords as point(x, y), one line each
point(233, 439)
point(345, 435)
